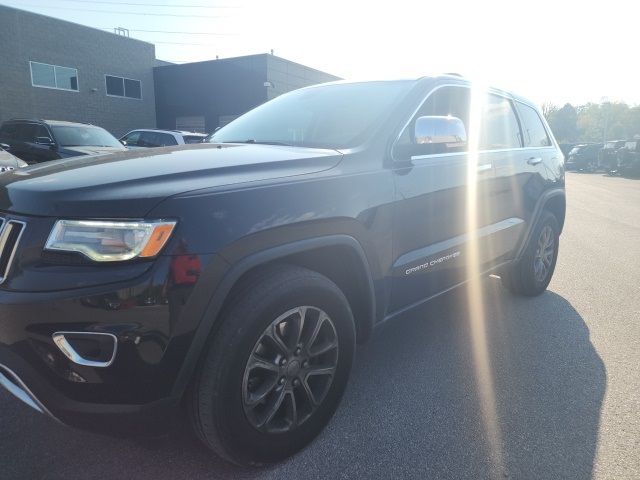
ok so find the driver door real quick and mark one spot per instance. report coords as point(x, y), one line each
point(439, 236)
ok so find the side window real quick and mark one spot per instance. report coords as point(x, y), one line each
point(156, 139)
point(133, 138)
point(40, 131)
point(27, 132)
point(164, 139)
point(446, 101)
point(21, 132)
point(8, 131)
point(148, 139)
point(535, 134)
point(499, 125)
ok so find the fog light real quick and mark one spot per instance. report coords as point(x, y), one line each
point(91, 349)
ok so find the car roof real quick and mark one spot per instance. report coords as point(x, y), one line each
point(48, 122)
point(453, 78)
point(179, 132)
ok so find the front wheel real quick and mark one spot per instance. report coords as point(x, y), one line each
point(275, 371)
point(532, 273)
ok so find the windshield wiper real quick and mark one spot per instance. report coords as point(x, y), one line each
point(260, 142)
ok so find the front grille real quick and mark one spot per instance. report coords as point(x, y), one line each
point(10, 233)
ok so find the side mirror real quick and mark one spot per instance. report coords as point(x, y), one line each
point(440, 130)
point(4, 146)
point(44, 141)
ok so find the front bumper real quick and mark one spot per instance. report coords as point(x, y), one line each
point(154, 321)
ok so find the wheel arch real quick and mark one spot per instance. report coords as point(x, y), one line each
point(553, 201)
point(557, 204)
point(351, 274)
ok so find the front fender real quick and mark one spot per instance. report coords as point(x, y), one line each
point(234, 273)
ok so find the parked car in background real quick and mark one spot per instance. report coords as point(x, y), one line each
point(566, 148)
point(233, 278)
point(36, 141)
point(583, 157)
point(149, 138)
point(629, 157)
point(608, 156)
point(9, 162)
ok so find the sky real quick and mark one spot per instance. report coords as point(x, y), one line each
point(548, 51)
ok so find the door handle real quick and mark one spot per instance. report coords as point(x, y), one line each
point(534, 160)
point(484, 167)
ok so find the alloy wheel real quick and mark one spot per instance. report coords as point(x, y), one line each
point(290, 370)
point(544, 254)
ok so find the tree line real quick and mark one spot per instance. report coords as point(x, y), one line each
point(593, 122)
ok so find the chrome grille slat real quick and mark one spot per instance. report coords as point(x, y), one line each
point(10, 233)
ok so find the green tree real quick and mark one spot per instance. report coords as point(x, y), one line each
point(563, 122)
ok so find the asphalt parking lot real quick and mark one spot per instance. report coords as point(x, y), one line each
point(565, 368)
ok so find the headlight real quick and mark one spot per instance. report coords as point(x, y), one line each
point(107, 241)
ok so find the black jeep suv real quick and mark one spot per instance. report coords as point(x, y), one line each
point(36, 141)
point(233, 279)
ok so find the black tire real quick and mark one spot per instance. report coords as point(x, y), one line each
point(217, 398)
point(521, 277)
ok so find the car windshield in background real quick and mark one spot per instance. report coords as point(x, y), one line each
point(330, 116)
point(77, 136)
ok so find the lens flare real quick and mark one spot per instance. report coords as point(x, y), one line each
point(475, 300)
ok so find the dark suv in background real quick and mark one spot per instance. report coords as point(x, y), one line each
point(629, 158)
point(36, 141)
point(233, 278)
point(608, 155)
point(584, 157)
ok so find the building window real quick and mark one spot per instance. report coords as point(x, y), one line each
point(123, 87)
point(53, 76)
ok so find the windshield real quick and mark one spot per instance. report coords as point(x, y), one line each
point(80, 136)
point(331, 116)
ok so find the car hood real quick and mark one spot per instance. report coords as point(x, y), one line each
point(92, 150)
point(129, 184)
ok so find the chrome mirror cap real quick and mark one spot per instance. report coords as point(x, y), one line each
point(439, 130)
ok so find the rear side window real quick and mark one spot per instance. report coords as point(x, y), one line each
point(27, 132)
point(156, 139)
point(132, 138)
point(192, 139)
point(499, 125)
point(8, 131)
point(535, 135)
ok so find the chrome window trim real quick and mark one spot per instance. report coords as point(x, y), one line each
point(3, 241)
point(490, 90)
point(453, 154)
point(65, 347)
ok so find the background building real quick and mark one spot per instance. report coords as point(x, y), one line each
point(59, 70)
point(204, 95)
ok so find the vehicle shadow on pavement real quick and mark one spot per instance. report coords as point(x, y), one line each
point(412, 409)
